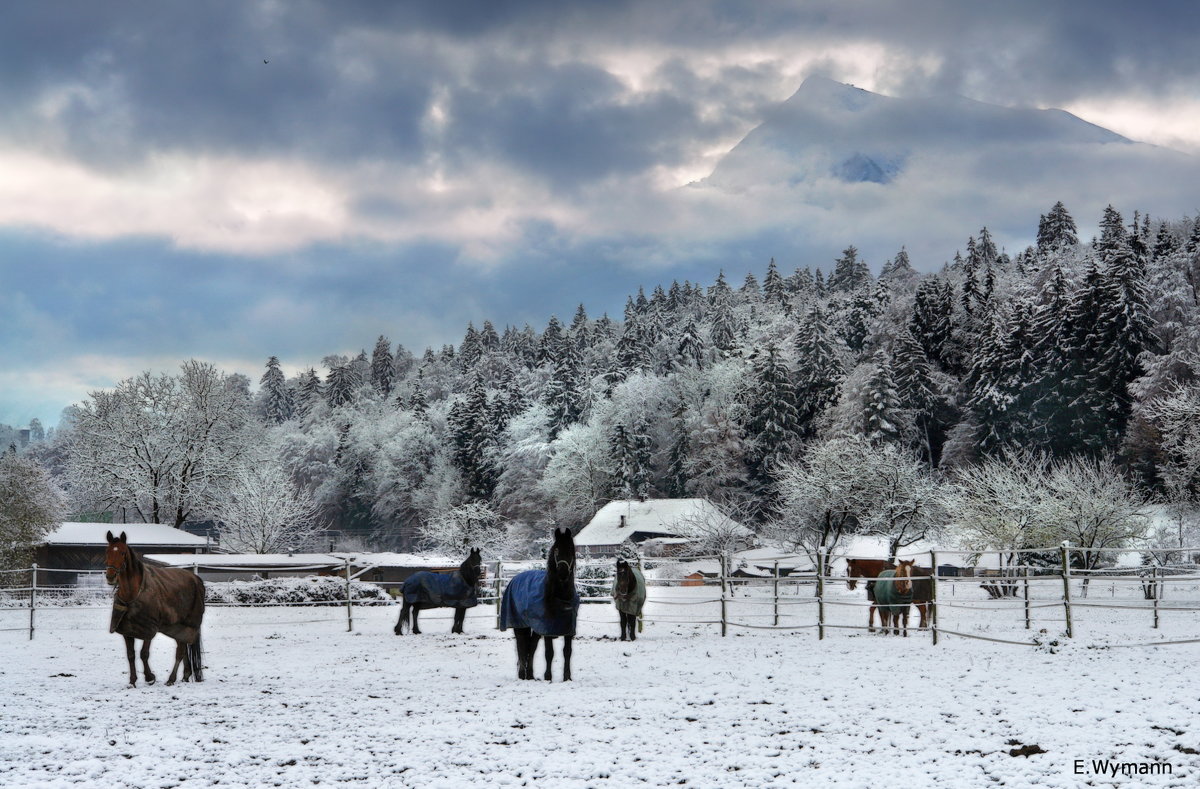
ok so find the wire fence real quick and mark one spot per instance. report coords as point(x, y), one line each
point(1026, 597)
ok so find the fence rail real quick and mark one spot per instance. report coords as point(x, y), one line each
point(796, 594)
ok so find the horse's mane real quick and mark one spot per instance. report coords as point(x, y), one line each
point(136, 565)
point(555, 595)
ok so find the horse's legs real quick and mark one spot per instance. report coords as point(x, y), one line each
point(923, 610)
point(416, 629)
point(146, 660)
point(132, 661)
point(621, 615)
point(530, 652)
point(180, 654)
point(567, 655)
point(521, 635)
point(460, 614)
point(871, 619)
point(549, 655)
point(402, 620)
point(904, 621)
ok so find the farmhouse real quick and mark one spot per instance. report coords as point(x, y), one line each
point(660, 525)
point(74, 549)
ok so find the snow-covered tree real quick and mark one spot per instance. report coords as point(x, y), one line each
point(263, 510)
point(30, 506)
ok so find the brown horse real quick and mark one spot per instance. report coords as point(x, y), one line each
point(152, 600)
point(922, 586)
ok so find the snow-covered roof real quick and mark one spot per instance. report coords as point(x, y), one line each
point(137, 534)
point(389, 559)
point(661, 517)
point(248, 561)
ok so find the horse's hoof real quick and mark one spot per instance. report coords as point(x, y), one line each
point(170, 682)
point(152, 680)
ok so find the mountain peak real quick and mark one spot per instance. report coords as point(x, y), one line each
point(818, 91)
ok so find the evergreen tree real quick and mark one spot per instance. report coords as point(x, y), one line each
point(471, 349)
point(473, 434)
point(562, 397)
point(678, 460)
point(550, 349)
point(918, 395)
point(930, 323)
point(417, 402)
point(774, 424)
point(308, 392)
point(383, 367)
point(1056, 231)
point(277, 397)
point(489, 340)
point(849, 273)
point(1113, 237)
point(690, 350)
point(341, 385)
point(774, 289)
point(818, 373)
point(881, 421)
point(724, 329)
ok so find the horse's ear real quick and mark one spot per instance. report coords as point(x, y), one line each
point(122, 537)
point(111, 538)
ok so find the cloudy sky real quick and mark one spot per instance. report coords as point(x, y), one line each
point(233, 180)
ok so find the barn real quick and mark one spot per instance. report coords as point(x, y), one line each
point(675, 526)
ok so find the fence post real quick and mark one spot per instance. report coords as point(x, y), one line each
point(641, 624)
point(1028, 623)
point(1066, 576)
point(32, 596)
point(496, 592)
point(933, 590)
point(723, 588)
point(349, 601)
point(1157, 594)
point(820, 595)
point(776, 593)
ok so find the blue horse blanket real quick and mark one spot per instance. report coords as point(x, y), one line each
point(524, 605)
point(439, 590)
point(888, 597)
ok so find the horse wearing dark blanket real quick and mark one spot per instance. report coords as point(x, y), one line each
point(629, 594)
point(455, 590)
point(543, 604)
point(922, 585)
point(893, 596)
point(151, 600)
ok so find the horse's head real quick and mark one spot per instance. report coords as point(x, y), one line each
point(116, 556)
point(471, 566)
point(624, 576)
point(560, 564)
point(904, 571)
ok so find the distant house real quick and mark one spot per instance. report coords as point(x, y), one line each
point(666, 525)
point(76, 547)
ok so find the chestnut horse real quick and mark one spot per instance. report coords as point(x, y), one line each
point(922, 585)
point(152, 600)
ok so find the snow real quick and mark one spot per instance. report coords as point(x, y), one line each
point(248, 560)
point(137, 534)
point(289, 701)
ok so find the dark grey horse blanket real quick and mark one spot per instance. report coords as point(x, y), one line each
point(632, 603)
point(438, 590)
point(887, 598)
point(524, 605)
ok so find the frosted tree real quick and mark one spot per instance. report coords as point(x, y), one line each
point(1056, 230)
point(276, 396)
point(906, 508)
point(818, 372)
point(308, 392)
point(383, 367)
point(825, 497)
point(774, 421)
point(30, 506)
point(998, 504)
point(472, 525)
point(881, 419)
point(157, 449)
point(263, 510)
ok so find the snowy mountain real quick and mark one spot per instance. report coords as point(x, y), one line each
point(831, 130)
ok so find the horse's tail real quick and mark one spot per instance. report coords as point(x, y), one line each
point(195, 656)
point(402, 622)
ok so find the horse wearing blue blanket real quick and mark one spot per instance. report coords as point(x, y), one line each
point(455, 590)
point(543, 604)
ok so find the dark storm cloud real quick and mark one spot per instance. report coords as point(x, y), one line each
point(354, 79)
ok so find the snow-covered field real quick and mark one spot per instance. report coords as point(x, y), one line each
point(291, 704)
